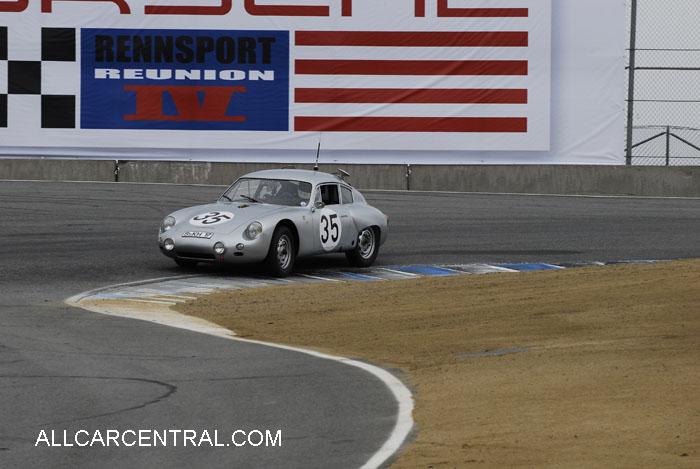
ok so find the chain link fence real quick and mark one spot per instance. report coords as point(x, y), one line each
point(665, 105)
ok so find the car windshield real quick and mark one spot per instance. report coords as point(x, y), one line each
point(270, 191)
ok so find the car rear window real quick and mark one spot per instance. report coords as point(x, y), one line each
point(346, 194)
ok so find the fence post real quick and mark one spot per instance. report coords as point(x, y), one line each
point(630, 85)
point(668, 145)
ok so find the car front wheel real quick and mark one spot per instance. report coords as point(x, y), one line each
point(366, 250)
point(280, 258)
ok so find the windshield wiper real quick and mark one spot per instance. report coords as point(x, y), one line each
point(224, 196)
point(250, 199)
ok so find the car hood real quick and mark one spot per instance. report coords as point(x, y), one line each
point(223, 218)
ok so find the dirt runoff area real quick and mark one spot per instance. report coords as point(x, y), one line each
point(611, 377)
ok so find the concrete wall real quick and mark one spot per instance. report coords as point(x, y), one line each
point(659, 181)
point(363, 176)
point(56, 170)
point(585, 180)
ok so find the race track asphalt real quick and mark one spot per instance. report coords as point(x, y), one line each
point(63, 368)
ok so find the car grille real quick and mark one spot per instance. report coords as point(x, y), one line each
point(196, 255)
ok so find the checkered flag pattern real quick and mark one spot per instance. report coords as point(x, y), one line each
point(39, 79)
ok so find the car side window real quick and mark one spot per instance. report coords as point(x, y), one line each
point(346, 195)
point(329, 194)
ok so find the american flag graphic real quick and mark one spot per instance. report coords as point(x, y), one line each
point(465, 80)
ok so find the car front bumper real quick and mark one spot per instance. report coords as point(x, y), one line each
point(238, 250)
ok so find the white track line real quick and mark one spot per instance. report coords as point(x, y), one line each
point(404, 419)
point(173, 297)
point(407, 274)
point(526, 194)
point(448, 269)
point(496, 268)
point(320, 278)
point(380, 279)
point(399, 191)
point(139, 300)
point(76, 298)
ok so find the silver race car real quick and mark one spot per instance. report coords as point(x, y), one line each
point(273, 217)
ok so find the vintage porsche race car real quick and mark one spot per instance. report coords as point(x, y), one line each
point(273, 217)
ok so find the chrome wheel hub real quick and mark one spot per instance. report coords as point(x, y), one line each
point(365, 243)
point(284, 256)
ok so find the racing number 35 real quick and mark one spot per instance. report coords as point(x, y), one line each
point(329, 228)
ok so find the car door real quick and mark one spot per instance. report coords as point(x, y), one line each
point(333, 228)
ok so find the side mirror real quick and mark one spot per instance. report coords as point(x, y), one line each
point(317, 206)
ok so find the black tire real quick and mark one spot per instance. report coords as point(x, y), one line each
point(186, 263)
point(280, 258)
point(366, 249)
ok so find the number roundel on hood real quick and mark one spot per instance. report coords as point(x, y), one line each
point(211, 218)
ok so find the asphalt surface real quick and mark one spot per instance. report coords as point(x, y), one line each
point(67, 369)
point(63, 368)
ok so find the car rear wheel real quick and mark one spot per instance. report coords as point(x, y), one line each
point(186, 263)
point(280, 258)
point(366, 250)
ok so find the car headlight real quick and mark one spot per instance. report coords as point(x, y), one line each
point(219, 248)
point(254, 230)
point(168, 222)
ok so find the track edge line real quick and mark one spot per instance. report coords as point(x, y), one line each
point(404, 419)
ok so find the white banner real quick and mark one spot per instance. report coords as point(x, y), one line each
point(414, 81)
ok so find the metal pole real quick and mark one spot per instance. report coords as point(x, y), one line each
point(630, 85)
point(668, 145)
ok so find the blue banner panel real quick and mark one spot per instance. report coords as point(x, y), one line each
point(183, 79)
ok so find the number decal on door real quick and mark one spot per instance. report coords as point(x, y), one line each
point(330, 229)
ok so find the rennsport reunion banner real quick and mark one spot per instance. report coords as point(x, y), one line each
point(221, 79)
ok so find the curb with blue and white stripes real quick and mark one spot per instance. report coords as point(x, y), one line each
point(172, 290)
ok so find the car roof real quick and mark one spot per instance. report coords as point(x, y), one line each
point(314, 177)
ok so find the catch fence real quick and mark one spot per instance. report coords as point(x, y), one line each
point(663, 126)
